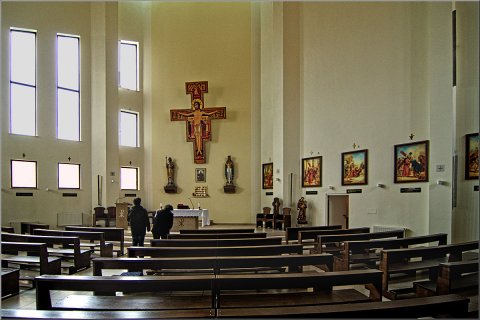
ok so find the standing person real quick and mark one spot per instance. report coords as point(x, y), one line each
point(162, 222)
point(138, 218)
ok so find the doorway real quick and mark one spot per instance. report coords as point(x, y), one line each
point(338, 210)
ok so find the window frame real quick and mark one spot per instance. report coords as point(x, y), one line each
point(34, 86)
point(11, 174)
point(137, 176)
point(137, 129)
point(137, 63)
point(79, 176)
point(71, 90)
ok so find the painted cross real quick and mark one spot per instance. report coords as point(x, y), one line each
point(198, 118)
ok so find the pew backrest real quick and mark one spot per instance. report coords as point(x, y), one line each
point(215, 242)
point(112, 234)
point(202, 231)
point(312, 235)
point(291, 233)
point(217, 235)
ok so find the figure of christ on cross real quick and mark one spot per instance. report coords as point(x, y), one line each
point(198, 119)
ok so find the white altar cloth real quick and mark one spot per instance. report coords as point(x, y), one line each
point(202, 214)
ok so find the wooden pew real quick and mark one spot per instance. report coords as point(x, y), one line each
point(18, 314)
point(407, 260)
point(10, 281)
point(8, 229)
point(215, 265)
point(67, 248)
point(291, 233)
point(242, 291)
point(217, 235)
point(334, 243)
point(127, 284)
point(202, 231)
point(41, 259)
point(96, 240)
point(112, 234)
point(215, 242)
point(28, 227)
point(310, 237)
point(453, 306)
point(367, 252)
point(214, 252)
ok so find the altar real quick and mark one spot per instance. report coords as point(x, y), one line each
point(202, 215)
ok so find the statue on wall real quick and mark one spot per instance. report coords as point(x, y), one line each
point(302, 211)
point(229, 174)
point(170, 187)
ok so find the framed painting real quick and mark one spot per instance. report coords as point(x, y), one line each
point(471, 156)
point(267, 175)
point(200, 174)
point(312, 172)
point(355, 168)
point(411, 162)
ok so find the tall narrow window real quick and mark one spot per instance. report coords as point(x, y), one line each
point(128, 178)
point(68, 176)
point(23, 82)
point(23, 174)
point(68, 87)
point(128, 128)
point(128, 63)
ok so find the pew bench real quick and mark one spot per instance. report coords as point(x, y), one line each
point(408, 260)
point(214, 265)
point(10, 282)
point(366, 253)
point(438, 306)
point(41, 261)
point(95, 240)
point(114, 235)
point(66, 248)
point(255, 291)
point(216, 235)
point(310, 237)
point(215, 242)
point(158, 252)
point(291, 233)
point(159, 293)
point(203, 231)
point(8, 229)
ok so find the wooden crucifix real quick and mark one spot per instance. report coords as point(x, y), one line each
point(198, 118)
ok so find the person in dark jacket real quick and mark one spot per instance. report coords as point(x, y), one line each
point(138, 218)
point(162, 222)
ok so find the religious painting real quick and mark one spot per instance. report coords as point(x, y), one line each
point(471, 156)
point(355, 168)
point(312, 172)
point(411, 162)
point(267, 176)
point(200, 174)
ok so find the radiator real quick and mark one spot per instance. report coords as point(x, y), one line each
point(73, 219)
point(389, 228)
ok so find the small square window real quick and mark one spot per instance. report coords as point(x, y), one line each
point(128, 178)
point(23, 174)
point(68, 176)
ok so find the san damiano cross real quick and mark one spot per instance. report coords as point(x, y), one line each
point(198, 118)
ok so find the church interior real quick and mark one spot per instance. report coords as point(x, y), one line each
point(276, 117)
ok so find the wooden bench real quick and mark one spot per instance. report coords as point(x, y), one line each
point(217, 235)
point(112, 234)
point(291, 233)
point(215, 265)
point(310, 237)
point(335, 243)
point(41, 259)
point(104, 288)
point(202, 231)
point(8, 229)
point(67, 248)
point(450, 305)
point(460, 277)
point(215, 242)
point(367, 252)
point(155, 252)
point(10, 279)
point(96, 240)
point(103, 315)
point(248, 291)
point(408, 260)
point(28, 227)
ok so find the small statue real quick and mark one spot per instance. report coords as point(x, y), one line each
point(302, 208)
point(170, 187)
point(276, 206)
point(229, 187)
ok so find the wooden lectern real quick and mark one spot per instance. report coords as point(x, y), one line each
point(121, 215)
